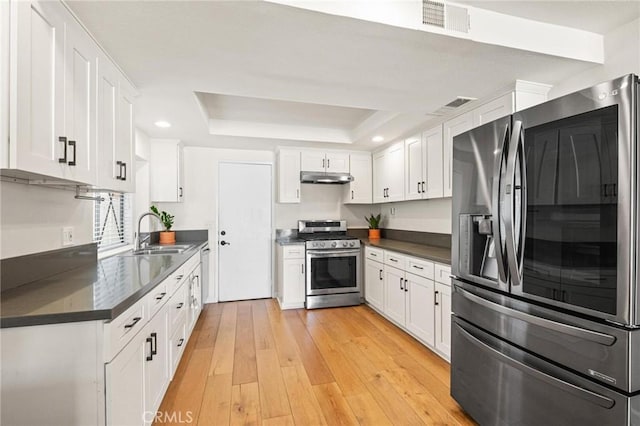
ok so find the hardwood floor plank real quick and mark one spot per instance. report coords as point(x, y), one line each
point(208, 332)
point(314, 364)
point(274, 401)
point(261, 328)
point(224, 348)
point(245, 405)
point(335, 407)
point(367, 410)
point(244, 361)
point(279, 421)
point(304, 406)
point(285, 343)
point(216, 402)
point(391, 402)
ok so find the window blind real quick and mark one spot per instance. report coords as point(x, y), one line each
point(112, 220)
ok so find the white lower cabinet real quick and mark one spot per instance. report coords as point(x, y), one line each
point(291, 276)
point(413, 293)
point(156, 362)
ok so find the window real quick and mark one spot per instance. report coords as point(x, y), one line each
point(112, 220)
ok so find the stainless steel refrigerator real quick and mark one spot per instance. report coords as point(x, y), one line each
point(545, 263)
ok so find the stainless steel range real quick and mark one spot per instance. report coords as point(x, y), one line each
point(333, 264)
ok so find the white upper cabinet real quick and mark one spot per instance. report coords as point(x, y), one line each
point(434, 179)
point(388, 174)
point(165, 170)
point(330, 162)
point(359, 191)
point(414, 168)
point(289, 176)
point(454, 127)
point(115, 129)
point(493, 110)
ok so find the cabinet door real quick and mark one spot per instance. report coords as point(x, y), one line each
point(394, 294)
point(337, 162)
point(493, 110)
point(379, 177)
point(195, 298)
point(313, 161)
point(289, 176)
point(395, 172)
point(124, 148)
point(360, 190)
point(374, 284)
point(125, 384)
point(164, 170)
point(443, 319)
point(38, 95)
point(421, 308)
point(108, 170)
point(432, 140)
point(414, 167)
point(156, 361)
point(453, 128)
point(80, 62)
point(293, 282)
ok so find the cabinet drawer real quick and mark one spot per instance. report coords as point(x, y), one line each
point(295, 251)
point(374, 254)
point(443, 274)
point(182, 273)
point(394, 259)
point(157, 298)
point(420, 267)
point(178, 306)
point(123, 328)
point(177, 343)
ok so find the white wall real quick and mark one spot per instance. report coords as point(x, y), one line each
point(419, 215)
point(141, 200)
point(621, 56)
point(32, 218)
point(316, 202)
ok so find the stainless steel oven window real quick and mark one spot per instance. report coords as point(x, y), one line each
point(333, 271)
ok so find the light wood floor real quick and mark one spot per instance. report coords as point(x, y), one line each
point(250, 363)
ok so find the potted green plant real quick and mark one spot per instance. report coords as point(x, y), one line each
point(374, 226)
point(167, 236)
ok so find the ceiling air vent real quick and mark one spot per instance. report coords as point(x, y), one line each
point(447, 16)
point(433, 13)
point(456, 103)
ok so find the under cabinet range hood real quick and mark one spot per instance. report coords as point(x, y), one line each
point(325, 177)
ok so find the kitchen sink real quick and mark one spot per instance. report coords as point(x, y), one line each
point(173, 249)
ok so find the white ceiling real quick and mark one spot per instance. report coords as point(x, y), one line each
point(244, 53)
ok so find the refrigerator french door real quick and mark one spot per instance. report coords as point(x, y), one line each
point(545, 203)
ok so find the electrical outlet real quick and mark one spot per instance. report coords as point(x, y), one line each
point(67, 235)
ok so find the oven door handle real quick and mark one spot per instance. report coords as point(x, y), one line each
point(331, 253)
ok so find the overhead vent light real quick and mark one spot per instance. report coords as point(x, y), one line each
point(456, 103)
point(447, 16)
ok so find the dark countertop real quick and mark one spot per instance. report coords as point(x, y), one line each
point(101, 291)
point(433, 253)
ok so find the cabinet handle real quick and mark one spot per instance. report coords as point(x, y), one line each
point(417, 267)
point(406, 286)
point(73, 145)
point(435, 298)
point(180, 342)
point(401, 280)
point(323, 163)
point(124, 165)
point(298, 194)
point(418, 187)
point(150, 357)
point(135, 321)
point(328, 163)
point(179, 277)
point(423, 183)
point(63, 139)
point(381, 275)
point(352, 194)
point(180, 193)
point(154, 346)
point(373, 254)
point(302, 268)
point(119, 164)
point(393, 260)
point(180, 305)
point(161, 296)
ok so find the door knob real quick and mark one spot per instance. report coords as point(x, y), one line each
point(224, 243)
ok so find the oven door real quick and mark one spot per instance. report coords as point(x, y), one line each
point(333, 271)
point(571, 241)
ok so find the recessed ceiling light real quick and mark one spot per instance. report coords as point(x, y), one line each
point(377, 138)
point(162, 124)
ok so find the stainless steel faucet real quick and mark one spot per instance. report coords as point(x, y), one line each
point(138, 240)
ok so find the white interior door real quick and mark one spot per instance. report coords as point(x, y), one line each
point(244, 225)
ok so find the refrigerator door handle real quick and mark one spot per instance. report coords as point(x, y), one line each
point(512, 257)
point(497, 233)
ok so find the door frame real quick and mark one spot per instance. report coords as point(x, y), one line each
point(216, 228)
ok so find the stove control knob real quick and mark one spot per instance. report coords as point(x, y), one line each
point(352, 244)
point(319, 244)
point(333, 244)
point(345, 244)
